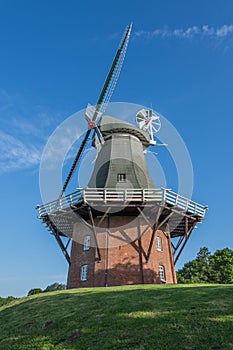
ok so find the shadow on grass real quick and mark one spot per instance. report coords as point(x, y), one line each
point(133, 317)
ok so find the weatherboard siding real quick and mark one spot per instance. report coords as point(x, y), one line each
point(121, 153)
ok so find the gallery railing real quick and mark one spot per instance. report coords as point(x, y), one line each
point(108, 195)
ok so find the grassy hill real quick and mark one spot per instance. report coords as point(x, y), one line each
point(134, 317)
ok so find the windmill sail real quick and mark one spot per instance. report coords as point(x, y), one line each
point(103, 99)
point(90, 112)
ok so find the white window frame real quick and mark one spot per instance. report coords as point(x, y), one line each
point(87, 243)
point(84, 271)
point(162, 275)
point(159, 246)
point(121, 177)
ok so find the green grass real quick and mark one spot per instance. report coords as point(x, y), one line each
point(135, 317)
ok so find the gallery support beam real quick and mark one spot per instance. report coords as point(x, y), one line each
point(94, 232)
point(182, 243)
point(63, 247)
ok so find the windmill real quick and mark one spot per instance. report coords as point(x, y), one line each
point(121, 227)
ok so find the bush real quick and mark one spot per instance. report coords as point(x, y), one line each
point(35, 291)
point(4, 301)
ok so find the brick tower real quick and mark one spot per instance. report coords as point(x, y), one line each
point(120, 229)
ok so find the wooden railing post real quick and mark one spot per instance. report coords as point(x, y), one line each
point(164, 194)
point(195, 208)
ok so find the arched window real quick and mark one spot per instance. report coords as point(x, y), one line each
point(86, 244)
point(84, 270)
point(159, 243)
point(162, 276)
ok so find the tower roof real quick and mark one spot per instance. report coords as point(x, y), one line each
point(109, 125)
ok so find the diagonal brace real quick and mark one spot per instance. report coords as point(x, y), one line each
point(94, 232)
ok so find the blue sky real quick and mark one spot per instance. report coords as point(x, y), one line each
point(54, 58)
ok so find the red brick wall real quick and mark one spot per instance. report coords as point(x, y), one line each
point(121, 262)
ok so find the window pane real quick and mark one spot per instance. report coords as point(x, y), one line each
point(121, 177)
point(159, 243)
point(84, 270)
point(162, 273)
point(87, 241)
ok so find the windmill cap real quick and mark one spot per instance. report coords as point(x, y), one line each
point(109, 125)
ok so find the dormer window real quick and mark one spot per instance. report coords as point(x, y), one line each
point(121, 177)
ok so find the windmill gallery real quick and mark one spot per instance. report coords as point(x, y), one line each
point(121, 228)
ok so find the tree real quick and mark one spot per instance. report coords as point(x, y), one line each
point(197, 270)
point(221, 266)
point(207, 268)
point(55, 286)
point(51, 287)
point(203, 255)
point(35, 291)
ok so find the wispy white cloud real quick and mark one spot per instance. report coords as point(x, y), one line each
point(14, 154)
point(224, 31)
point(24, 132)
